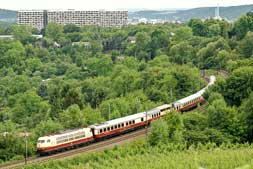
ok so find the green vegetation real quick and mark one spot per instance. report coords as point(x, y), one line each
point(138, 155)
point(77, 76)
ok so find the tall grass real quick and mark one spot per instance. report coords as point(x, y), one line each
point(140, 156)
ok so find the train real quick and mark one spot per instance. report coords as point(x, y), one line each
point(68, 139)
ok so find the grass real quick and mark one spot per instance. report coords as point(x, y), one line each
point(138, 156)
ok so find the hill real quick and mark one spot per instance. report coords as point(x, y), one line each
point(230, 13)
point(7, 15)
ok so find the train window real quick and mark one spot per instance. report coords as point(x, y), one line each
point(118, 125)
point(101, 131)
point(104, 129)
point(122, 125)
point(41, 141)
point(126, 123)
point(142, 119)
point(112, 128)
point(48, 141)
point(115, 126)
point(108, 128)
point(133, 121)
point(159, 114)
point(130, 122)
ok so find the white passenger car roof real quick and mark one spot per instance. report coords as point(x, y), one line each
point(118, 121)
point(187, 99)
point(67, 132)
point(165, 106)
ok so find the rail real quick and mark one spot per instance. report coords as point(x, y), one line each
point(99, 146)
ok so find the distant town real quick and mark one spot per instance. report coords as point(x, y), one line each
point(40, 18)
point(119, 18)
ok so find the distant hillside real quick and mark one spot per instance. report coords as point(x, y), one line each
point(230, 13)
point(7, 15)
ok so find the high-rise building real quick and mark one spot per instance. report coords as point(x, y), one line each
point(39, 19)
point(35, 18)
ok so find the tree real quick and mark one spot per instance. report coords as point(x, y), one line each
point(182, 34)
point(214, 30)
point(72, 117)
point(199, 28)
point(226, 120)
point(100, 66)
point(182, 53)
point(22, 33)
point(238, 85)
point(95, 90)
point(34, 64)
point(54, 92)
point(70, 28)
point(73, 96)
point(115, 41)
point(125, 80)
point(54, 31)
point(245, 47)
point(96, 48)
point(175, 127)
point(242, 26)
point(46, 127)
point(159, 39)
point(12, 55)
point(10, 145)
point(208, 54)
point(159, 133)
point(247, 116)
point(142, 41)
point(222, 58)
point(143, 46)
point(29, 109)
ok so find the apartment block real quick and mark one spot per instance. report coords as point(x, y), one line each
point(39, 19)
point(33, 18)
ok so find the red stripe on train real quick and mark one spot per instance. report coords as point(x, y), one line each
point(46, 149)
point(108, 133)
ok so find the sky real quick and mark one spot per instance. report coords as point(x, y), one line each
point(115, 4)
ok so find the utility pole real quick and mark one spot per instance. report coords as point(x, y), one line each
point(171, 95)
point(146, 124)
point(25, 149)
point(25, 135)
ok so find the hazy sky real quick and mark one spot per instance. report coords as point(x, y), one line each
point(115, 4)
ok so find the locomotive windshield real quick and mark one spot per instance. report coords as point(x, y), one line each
point(41, 141)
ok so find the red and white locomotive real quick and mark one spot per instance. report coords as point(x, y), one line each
point(97, 132)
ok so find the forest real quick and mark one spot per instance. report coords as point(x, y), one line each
point(77, 76)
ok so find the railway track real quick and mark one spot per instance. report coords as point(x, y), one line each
point(99, 146)
point(91, 148)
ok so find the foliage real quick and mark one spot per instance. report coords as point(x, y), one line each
point(138, 155)
point(77, 76)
